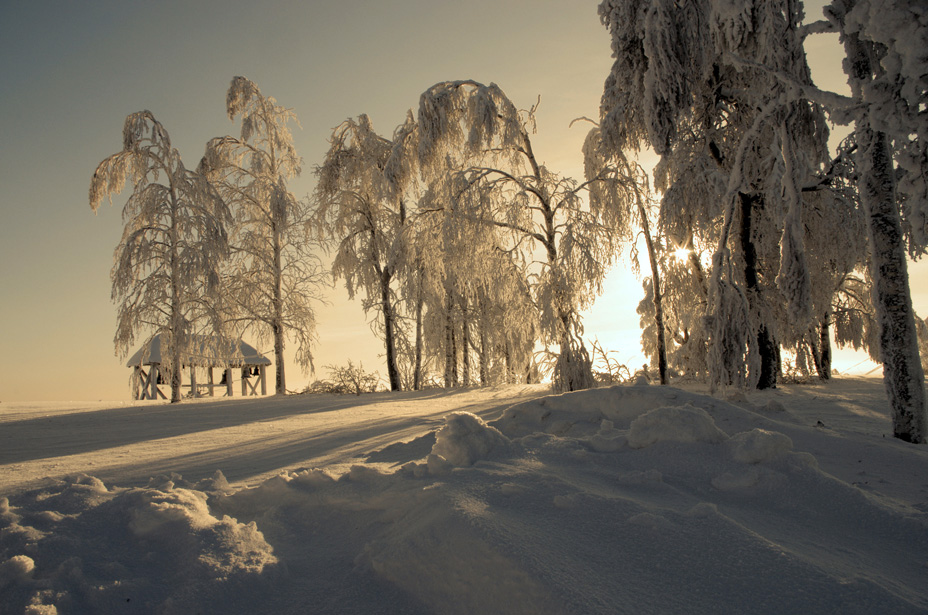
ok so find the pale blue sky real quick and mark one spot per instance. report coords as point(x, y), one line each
point(72, 71)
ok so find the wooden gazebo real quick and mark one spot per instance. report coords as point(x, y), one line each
point(205, 352)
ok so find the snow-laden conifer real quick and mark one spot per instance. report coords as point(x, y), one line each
point(166, 270)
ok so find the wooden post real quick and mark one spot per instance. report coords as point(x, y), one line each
point(193, 381)
point(228, 382)
point(263, 380)
point(153, 380)
point(244, 383)
point(135, 381)
point(209, 379)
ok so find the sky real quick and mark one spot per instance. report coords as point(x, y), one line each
point(72, 72)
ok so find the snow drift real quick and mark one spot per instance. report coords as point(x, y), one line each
point(622, 500)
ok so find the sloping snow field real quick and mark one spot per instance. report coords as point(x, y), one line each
point(633, 499)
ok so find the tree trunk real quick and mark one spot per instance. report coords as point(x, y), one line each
point(277, 326)
point(465, 342)
point(449, 340)
point(825, 347)
point(766, 345)
point(417, 372)
point(484, 345)
point(658, 305)
point(393, 372)
point(176, 315)
point(280, 384)
point(507, 359)
point(902, 369)
point(454, 354)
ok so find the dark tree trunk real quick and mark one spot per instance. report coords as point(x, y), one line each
point(277, 326)
point(766, 345)
point(393, 372)
point(465, 342)
point(658, 304)
point(484, 346)
point(824, 338)
point(417, 372)
point(449, 340)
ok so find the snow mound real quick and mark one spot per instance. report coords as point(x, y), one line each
point(466, 439)
point(581, 414)
point(674, 424)
point(101, 549)
point(759, 445)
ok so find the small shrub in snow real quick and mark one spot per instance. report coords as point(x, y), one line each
point(346, 379)
point(679, 424)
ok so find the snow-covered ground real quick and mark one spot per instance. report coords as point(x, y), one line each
point(635, 499)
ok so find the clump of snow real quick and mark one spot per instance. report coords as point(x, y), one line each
point(466, 439)
point(608, 439)
point(101, 548)
point(17, 568)
point(674, 424)
point(759, 445)
point(773, 406)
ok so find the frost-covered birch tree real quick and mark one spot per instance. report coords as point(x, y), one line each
point(361, 214)
point(885, 46)
point(620, 191)
point(837, 251)
point(274, 275)
point(536, 208)
point(477, 292)
point(165, 275)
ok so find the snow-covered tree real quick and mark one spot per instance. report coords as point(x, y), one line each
point(885, 58)
point(165, 275)
point(476, 290)
point(837, 251)
point(683, 301)
point(274, 275)
point(620, 189)
point(733, 153)
point(504, 185)
point(361, 213)
point(885, 45)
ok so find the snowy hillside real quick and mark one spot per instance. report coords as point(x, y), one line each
point(635, 499)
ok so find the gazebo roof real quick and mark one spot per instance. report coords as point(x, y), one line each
point(206, 351)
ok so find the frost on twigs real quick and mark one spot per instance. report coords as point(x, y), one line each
point(454, 113)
